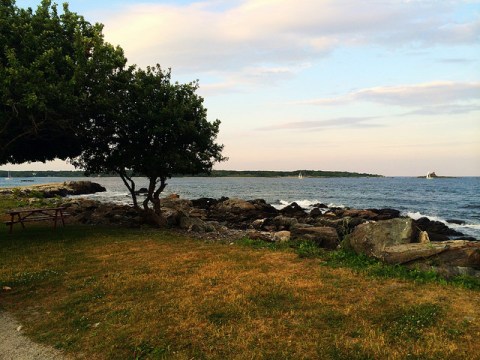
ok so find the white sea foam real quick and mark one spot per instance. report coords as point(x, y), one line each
point(417, 215)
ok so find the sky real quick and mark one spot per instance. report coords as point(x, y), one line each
point(389, 87)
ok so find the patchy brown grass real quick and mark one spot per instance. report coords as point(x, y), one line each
point(119, 294)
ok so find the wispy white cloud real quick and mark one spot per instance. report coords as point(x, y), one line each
point(350, 122)
point(426, 94)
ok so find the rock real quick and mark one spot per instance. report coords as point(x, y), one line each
point(141, 191)
point(325, 237)
point(204, 203)
point(423, 237)
point(315, 212)
point(293, 210)
point(259, 235)
point(258, 224)
point(457, 222)
point(372, 238)
point(459, 253)
point(320, 206)
point(56, 189)
point(282, 236)
point(386, 214)
point(176, 203)
point(262, 207)
point(353, 213)
point(404, 253)
point(437, 231)
point(84, 187)
point(235, 206)
point(283, 222)
point(193, 224)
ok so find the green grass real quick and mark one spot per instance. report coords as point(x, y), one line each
point(110, 293)
point(361, 263)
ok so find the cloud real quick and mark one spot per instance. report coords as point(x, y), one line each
point(426, 94)
point(228, 36)
point(351, 122)
point(453, 109)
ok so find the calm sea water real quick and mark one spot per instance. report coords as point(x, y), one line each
point(438, 199)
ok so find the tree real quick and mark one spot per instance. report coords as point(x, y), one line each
point(56, 73)
point(160, 129)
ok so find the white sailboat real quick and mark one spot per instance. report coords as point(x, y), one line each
point(300, 175)
point(9, 177)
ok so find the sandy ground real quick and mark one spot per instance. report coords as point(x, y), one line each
point(16, 346)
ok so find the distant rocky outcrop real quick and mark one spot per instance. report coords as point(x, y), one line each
point(55, 189)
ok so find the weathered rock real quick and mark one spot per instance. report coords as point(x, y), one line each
point(320, 206)
point(372, 238)
point(56, 189)
point(404, 253)
point(423, 237)
point(455, 221)
point(194, 224)
point(325, 237)
point(176, 203)
point(315, 212)
point(259, 235)
point(293, 210)
point(204, 203)
point(258, 224)
point(459, 253)
point(235, 206)
point(282, 222)
point(262, 207)
point(282, 236)
point(386, 214)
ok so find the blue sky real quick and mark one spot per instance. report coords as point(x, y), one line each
point(380, 86)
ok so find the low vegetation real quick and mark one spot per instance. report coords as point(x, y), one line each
point(105, 293)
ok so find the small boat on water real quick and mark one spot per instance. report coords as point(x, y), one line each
point(9, 177)
point(300, 176)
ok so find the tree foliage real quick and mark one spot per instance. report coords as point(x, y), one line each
point(159, 129)
point(56, 73)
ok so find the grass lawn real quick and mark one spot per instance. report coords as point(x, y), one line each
point(103, 293)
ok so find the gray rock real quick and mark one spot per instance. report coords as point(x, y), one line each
point(372, 238)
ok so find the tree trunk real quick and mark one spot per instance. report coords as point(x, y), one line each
point(156, 196)
point(130, 184)
point(151, 189)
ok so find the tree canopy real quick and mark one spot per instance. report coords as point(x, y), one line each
point(56, 74)
point(160, 129)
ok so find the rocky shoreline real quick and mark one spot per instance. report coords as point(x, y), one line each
point(379, 233)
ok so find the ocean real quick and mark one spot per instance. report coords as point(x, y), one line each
point(438, 199)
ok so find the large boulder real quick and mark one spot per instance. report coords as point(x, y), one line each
point(372, 238)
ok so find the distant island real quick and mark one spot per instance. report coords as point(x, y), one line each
point(433, 175)
point(214, 173)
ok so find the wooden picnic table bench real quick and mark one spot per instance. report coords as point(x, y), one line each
point(29, 215)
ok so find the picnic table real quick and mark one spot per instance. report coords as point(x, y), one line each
point(28, 215)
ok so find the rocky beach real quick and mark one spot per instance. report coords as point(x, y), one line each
point(382, 234)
